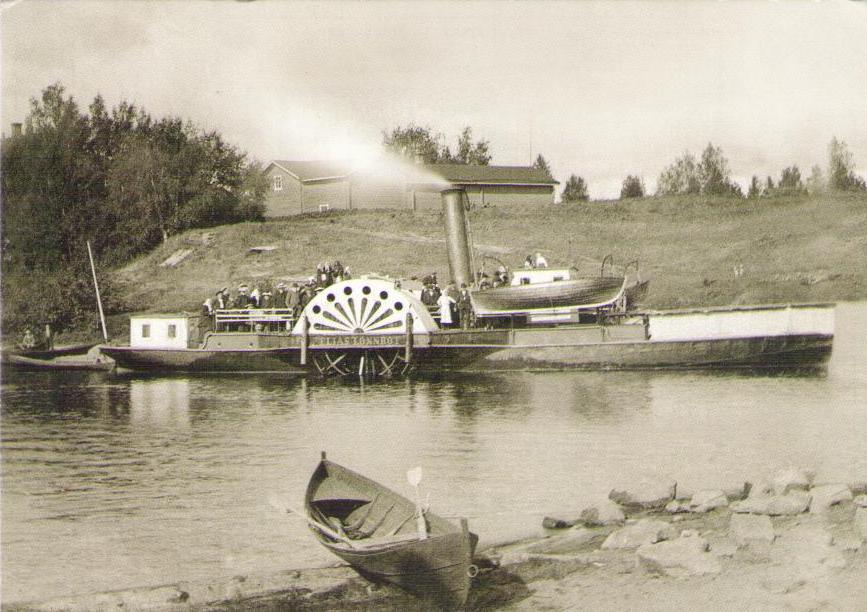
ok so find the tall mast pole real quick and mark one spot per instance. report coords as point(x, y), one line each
point(96, 286)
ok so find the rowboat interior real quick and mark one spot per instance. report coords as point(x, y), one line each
point(365, 513)
point(388, 537)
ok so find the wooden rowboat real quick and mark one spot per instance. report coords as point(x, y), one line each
point(374, 529)
point(573, 293)
point(58, 351)
point(28, 363)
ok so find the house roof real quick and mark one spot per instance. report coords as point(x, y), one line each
point(504, 175)
point(311, 171)
point(314, 170)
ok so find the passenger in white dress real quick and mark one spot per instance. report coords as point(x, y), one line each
point(446, 302)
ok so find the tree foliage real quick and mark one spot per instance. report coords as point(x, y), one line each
point(790, 180)
point(414, 143)
point(419, 143)
point(755, 189)
point(575, 190)
point(120, 179)
point(681, 177)
point(710, 176)
point(633, 187)
point(816, 181)
point(714, 172)
point(841, 168)
point(469, 152)
point(542, 164)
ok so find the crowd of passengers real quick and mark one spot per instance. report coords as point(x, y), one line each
point(453, 305)
point(267, 295)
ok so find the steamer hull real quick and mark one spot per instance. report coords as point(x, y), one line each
point(766, 337)
point(793, 352)
point(285, 360)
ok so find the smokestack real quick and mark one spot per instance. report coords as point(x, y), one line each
point(457, 242)
point(16, 130)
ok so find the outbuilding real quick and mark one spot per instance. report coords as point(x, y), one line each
point(297, 187)
point(501, 186)
point(316, 186)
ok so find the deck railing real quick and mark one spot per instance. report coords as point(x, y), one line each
point(250, 319)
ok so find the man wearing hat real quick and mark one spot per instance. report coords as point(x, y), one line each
point(465, 307)
point(307, 293)
point(221, 299)
point(293, 300)
point(280, 296)
point(242, 300)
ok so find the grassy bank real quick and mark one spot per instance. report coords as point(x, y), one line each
point(795, 249)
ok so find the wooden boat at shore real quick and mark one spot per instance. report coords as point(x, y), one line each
point(52, 353)
point(65, 357)
point(374, 529)
point(65, 363)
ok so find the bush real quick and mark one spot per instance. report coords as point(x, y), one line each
point(575, 190)
point(633, 187)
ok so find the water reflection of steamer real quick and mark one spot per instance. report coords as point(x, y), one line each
point(162, 403)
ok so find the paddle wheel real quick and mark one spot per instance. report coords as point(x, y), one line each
point(362, 326)
point(380, 363)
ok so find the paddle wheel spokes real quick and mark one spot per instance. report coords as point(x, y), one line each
point(366, 364)
point(390, 365)
point(328, 365)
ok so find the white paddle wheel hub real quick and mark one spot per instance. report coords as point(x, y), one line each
point(364, 306)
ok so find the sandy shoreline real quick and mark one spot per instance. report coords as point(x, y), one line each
point(782, 545)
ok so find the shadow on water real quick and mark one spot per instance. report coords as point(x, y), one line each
point(141, 398)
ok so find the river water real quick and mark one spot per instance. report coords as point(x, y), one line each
point(113, 481)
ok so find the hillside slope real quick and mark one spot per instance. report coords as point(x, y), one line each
point(696, 251)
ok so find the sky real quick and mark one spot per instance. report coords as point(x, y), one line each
point(600, 89)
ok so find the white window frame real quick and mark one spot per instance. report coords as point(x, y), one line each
point(278, 183)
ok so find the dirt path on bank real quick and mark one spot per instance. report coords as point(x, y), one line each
point(414, 238)
point(422, 239)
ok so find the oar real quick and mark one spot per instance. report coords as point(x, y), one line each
point(319, 526)
point(401, 524)
point(413, 476)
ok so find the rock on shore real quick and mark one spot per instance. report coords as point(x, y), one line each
point(644, 531)
point(685, 556)
point(644, 494)
point(825, 496)
point(749, 528)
